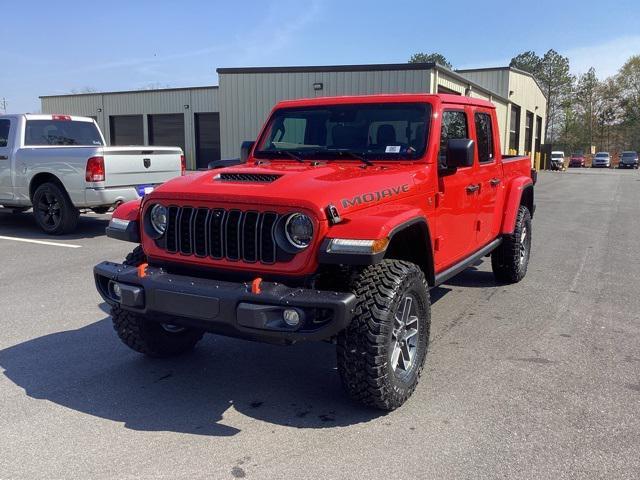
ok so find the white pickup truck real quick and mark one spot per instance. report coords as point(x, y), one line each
point(59, 165)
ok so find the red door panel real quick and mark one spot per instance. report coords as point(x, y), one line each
point(489, 176)
point(456, 206)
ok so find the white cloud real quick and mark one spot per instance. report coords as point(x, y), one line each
point(606, 57)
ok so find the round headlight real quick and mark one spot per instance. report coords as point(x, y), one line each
point(158, 218)
point(299, 230)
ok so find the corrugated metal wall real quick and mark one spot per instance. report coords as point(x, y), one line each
point(529, 98)
point(143, 102)
point(495, 80)
point(247, 98)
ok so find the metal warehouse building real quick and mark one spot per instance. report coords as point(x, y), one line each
point(209, 123)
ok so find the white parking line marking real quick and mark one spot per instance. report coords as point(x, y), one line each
point(40, 242)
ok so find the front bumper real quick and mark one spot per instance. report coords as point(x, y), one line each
point(226, 308)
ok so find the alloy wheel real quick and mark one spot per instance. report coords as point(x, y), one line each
point(49, 210)
point(404, 337)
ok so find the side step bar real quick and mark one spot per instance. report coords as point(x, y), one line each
point(453, 270)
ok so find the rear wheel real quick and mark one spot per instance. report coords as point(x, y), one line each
point(382, 352)
point(147, 336)
point(53, 210)
point(511, 259)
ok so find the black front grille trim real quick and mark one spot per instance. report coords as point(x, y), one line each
point(235, 235)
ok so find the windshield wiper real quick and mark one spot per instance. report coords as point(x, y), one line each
point(351, 154)
point(296, 156)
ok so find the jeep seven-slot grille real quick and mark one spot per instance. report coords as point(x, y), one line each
point(218, 233)
point(248, 177)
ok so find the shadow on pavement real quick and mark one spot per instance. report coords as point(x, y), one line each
point(474, 278)
point(90, 371)
point(23, 225)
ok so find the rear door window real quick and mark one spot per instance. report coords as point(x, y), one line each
point(485, 137)
point(61, 132)
point(454, 125)
point(5, 125)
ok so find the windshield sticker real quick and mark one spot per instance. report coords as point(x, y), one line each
point(392, 149)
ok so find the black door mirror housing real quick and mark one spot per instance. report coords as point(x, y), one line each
point(245, 149)
point(459, 153)
point(224, 163)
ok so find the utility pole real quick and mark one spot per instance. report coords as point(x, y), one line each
point(3, 104)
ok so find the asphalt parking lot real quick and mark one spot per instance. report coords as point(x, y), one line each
point(535, 380)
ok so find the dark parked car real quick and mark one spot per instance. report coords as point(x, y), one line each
point(628, 160)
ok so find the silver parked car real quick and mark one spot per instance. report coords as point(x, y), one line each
point(602, 160)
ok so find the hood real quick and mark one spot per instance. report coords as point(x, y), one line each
point(347, 185)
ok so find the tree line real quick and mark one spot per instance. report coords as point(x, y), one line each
point(582, 110)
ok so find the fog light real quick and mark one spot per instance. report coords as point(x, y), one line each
point(291, 317)
point(116, 290)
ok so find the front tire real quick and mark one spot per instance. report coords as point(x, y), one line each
point(382, 352)
point(510, 260)
point(53, 210)
point(147, 336)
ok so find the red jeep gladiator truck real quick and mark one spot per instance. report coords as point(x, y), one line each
point(333, 225)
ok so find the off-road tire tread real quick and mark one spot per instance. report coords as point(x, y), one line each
point(362, 347)
point(505, 260)
point(148, 337)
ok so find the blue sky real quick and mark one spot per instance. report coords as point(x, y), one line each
point(54, 48)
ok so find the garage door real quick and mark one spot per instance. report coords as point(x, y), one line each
point(207, 138)
point(167, 130)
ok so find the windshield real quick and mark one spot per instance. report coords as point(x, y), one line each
point(353, 131)
point(602, 155)
point(629, 155)
point(556, 155)
point(61, 132)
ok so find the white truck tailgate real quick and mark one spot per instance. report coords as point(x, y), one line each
point(134, 166)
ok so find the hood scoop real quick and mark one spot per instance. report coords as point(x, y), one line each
point(246, 177)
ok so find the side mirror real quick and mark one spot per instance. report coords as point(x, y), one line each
point(460, 153)
point(245, 149)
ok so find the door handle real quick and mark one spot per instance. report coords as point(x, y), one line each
point(474, 187)
point(495, 182)
point(4, 157)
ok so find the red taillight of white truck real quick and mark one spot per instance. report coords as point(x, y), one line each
point(183, 165)
point(95, 170)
